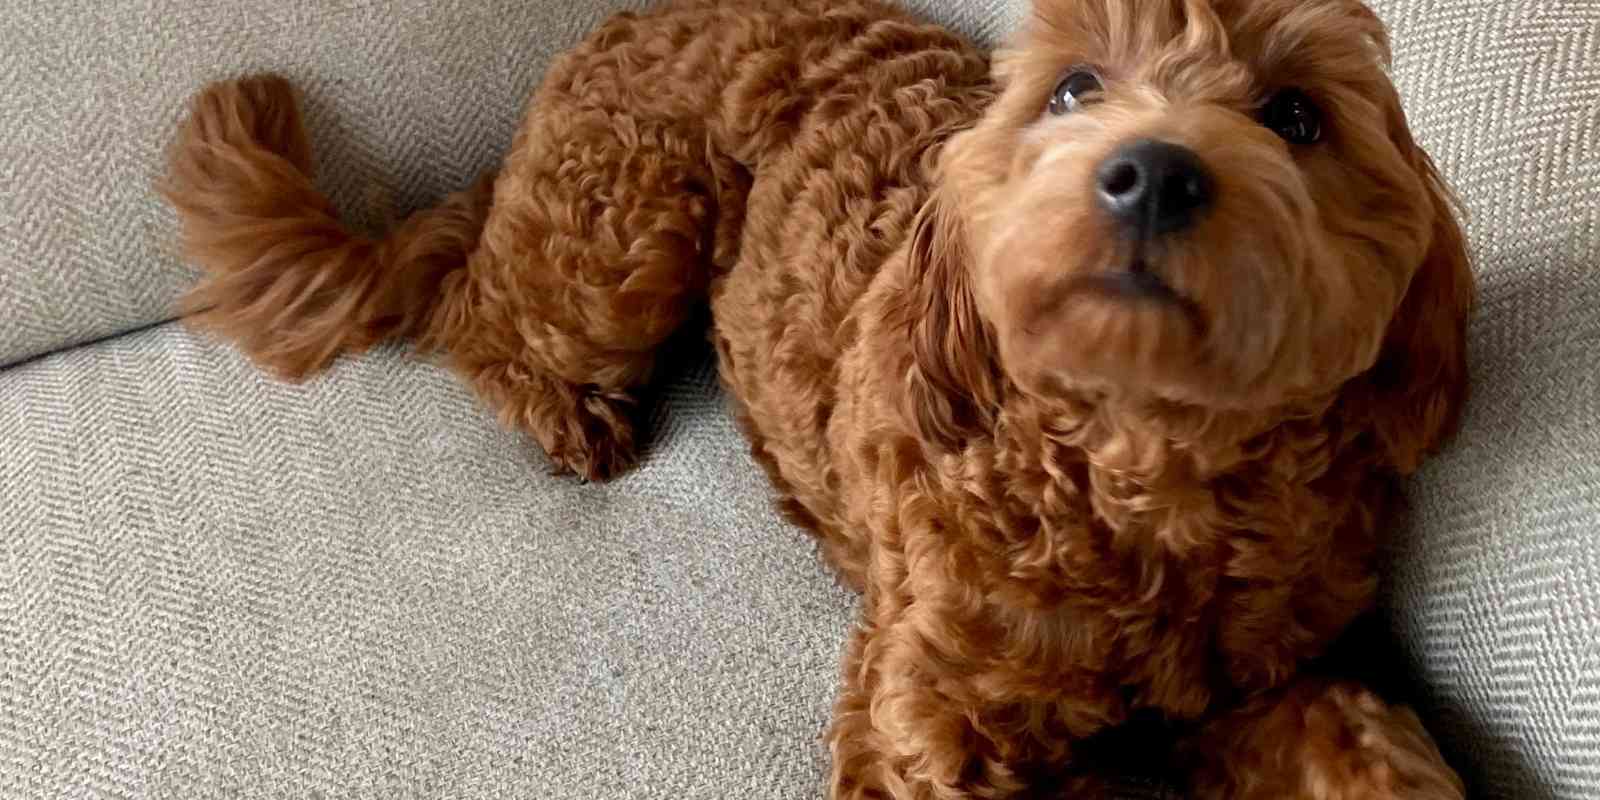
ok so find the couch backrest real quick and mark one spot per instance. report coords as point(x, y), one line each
point(405, 101)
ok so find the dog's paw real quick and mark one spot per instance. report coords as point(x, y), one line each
point(584, 431)
point(1319, 740)
point(1392, 757)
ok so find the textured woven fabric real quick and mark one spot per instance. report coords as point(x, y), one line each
point(1496, 584)
point(213, 585)
point(407, 100)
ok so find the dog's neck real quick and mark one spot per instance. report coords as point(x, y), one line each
point(1157, 441)
point(1124, 483)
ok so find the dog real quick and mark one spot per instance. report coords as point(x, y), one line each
point(1095, 365)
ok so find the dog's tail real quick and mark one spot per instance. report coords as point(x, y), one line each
point(285, 280)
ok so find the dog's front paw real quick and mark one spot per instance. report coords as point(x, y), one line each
point(1319, 740)
point(1392, 757)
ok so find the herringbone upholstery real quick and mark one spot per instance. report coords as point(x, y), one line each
point(213, 585)
point(1495, 588)
point(216, 586)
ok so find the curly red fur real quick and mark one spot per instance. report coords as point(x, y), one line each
point(1320, 739)
point(1065, 507)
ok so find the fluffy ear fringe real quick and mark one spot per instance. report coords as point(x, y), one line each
point(1419, 384)
point(952, 386)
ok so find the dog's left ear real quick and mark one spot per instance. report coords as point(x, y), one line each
point(951, 387)
point(1419, 384)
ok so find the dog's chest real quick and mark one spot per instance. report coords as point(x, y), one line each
point(1162, 594)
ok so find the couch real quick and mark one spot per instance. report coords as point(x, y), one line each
point(214, 585)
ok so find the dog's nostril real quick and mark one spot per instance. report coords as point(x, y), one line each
point(1120, 179)
point(1184, 190)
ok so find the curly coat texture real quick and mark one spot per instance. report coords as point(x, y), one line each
point(1068, 506)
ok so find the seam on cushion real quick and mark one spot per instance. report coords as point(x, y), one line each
point(55, 351)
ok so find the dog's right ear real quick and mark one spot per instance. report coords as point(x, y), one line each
point(952, 385)
point(1420, 380)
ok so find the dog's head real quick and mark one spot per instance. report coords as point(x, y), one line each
point(1216, 203)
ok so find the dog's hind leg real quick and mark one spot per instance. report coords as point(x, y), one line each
point(624, 195)
point(609, 217)
point(548, 292)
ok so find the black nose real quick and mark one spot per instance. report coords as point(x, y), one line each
point(1154, 187)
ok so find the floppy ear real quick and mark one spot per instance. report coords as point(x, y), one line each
point(1420, 380)
point(952, 388)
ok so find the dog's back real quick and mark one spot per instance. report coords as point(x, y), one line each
point(770, 154)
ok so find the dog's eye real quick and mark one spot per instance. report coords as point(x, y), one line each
point(1292, 115)
point(1074, 91)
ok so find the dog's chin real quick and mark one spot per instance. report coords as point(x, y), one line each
point(1131, 286)
point(1124, 330)
point(1111, 334)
